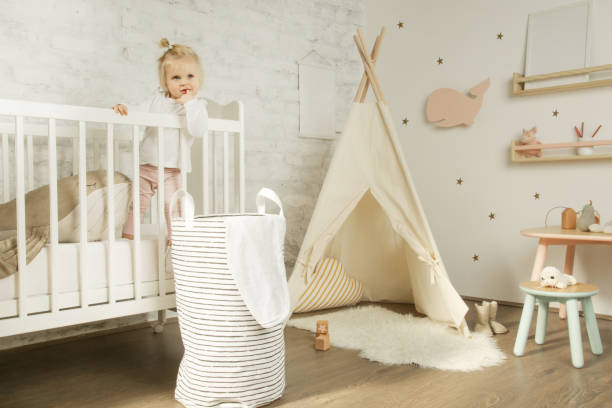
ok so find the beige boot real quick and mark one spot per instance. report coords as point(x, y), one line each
point(483, 313)
point(496, 326)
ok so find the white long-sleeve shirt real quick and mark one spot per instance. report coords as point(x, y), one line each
point(196, 116)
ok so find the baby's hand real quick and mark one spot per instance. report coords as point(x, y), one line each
point(120, 109)
point(186, 97)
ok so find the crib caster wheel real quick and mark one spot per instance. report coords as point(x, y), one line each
point(158, 328)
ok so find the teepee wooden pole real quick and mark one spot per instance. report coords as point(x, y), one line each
point(373, 77)
point(365, 82)
point(375, 52)
point(361, 46)
point(366, 66)
point(364, 79)
point(369, 69)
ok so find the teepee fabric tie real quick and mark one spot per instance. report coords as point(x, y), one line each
point(434, 264)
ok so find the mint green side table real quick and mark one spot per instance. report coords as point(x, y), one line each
point(570, 297)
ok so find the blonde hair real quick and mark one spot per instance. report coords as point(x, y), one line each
point(175, 51)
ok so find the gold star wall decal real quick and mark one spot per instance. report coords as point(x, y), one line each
point(491, 216)
point(475, 258)
point(400, 25)
point(555, 113)
point(459, 181)
point(536, 196)
point(405, 121)
point(500, 36)
point(440, 60)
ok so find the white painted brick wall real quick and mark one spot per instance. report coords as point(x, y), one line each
point(103, 52)
point(98, 53)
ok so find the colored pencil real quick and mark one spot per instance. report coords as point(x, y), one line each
point(599, 127)
point(577, 132)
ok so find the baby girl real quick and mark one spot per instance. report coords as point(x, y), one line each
point(180, 77)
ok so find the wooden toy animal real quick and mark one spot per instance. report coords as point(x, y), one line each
point(447, 107)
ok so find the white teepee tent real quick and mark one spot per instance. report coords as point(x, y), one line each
point(369, 217)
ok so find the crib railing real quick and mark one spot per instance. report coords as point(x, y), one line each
point(229, 126)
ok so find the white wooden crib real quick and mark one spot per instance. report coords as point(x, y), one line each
point(74, 283)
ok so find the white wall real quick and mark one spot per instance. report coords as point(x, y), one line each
point(99, 53)
point(464, 34)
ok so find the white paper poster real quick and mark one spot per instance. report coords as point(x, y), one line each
point(558, 40)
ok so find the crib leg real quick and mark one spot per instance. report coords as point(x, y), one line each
point(161, 320)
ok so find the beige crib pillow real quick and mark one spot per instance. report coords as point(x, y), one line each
point(329, 287)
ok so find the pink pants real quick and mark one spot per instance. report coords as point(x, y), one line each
point(148, 187)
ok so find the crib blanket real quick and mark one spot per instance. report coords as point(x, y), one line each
point(37, 215)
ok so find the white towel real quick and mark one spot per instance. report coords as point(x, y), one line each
point(256, 261)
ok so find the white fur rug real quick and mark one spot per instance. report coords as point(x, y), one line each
point(392, 338)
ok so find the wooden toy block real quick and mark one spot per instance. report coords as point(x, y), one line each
point(322, 335)
point(322, 342)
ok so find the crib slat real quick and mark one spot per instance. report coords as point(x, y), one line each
point(116, 155)
point(21, 227)
point(161, 242)
point(75, 155)
point(183, 158)
point(205, 173)
point(152, 211)
point(30, 161)
point(226, 193)
point(136, 211)
point(96, 153)
point(53, 206)
point(240, 160)
point(83, 214)
point(237, 167)
point(213, 173)
point(5, 168)
point(110, 190)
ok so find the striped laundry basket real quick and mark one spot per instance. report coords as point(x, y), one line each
point(234, 343)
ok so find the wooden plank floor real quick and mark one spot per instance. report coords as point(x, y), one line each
point(138, 369)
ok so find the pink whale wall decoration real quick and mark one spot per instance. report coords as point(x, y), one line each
point(447, 107)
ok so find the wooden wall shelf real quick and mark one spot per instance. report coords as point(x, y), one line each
point(518, 81)
point(516, 157)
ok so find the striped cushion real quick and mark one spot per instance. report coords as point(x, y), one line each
point(329, 287)
point(229, 360)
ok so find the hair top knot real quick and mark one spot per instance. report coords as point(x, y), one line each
point(164, 43)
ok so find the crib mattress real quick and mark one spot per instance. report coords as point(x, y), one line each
point(37, 276)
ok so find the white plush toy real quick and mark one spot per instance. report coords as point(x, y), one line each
point(606, 228)
point(552, 277)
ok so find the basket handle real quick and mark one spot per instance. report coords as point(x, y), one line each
point(270, 195)
point(188, 208)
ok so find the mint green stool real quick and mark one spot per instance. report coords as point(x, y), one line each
point(570, 296)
